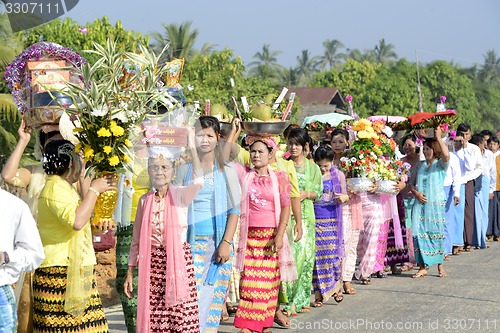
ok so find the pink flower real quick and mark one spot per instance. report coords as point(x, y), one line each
point(150, 131)
point(348, 98)
point(453, 134)
point(445, 127)
point(443, 99)
point(287, 155)
point(419, 142)
point(83, 30)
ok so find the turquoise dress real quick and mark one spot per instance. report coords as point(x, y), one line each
point(428, 219)
point(207, 219)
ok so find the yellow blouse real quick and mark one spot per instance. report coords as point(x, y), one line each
point(57, 205)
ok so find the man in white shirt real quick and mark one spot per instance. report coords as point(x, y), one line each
point(482, 197)
point(21, 250)
point(471, 155)
point(452, 185)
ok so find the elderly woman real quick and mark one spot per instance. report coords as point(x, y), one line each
point(64, 287)
point(263, 252)
point(167, 286)
point(428, 214)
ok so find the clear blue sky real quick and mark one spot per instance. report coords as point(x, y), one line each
point(457, 30)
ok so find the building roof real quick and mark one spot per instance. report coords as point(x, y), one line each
point(325, 96)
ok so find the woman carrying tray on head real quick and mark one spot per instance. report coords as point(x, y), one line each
point(428, 214)
point(64, 286)
point(277, 163)
point(263, 254)
point(167, 299)
point(213, 218)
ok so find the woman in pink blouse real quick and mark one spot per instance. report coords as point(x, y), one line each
point(167, 288)
point(263, 252)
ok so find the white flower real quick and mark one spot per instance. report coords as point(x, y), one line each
point(99, 111)
point(121, 115)
point(353, 159)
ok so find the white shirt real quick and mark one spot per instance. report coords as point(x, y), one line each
point(489, 169)
point(470, 159)
point(19, 238)
point(454, 175)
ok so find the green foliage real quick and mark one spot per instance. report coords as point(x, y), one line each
point(210, 76)
point(441, 78)
point(65, 32)
point(10, 119)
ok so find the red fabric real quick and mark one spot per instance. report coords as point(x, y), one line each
point(420, 117)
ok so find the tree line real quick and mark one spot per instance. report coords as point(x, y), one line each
point(380, 81)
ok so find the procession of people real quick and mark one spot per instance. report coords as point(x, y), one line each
point(283, 228)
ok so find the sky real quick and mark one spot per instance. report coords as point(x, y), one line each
point(453, 30)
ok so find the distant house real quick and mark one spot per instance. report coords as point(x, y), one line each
point(318, 101)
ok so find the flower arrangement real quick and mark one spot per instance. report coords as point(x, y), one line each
point(366, 157)
point(118, 91)
point(392, 169)
point(18, 79)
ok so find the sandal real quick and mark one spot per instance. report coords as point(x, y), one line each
point(365, 281)
point(289, 313)
point(305, 309)
point(231, 309)
point(396, 270)
point(380, 275)
point(348, 289)
point(338, 297)
point(442, 274)
point(281, 319)
point(267, 330)
point(420, 274)
point(317, 304)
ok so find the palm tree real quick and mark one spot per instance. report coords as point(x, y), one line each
point(384, 52)
point(266, 64)
point(361, 57)
point(331, 57)
point(490, 71)
point(206, 49)
point(179, 38)
point(289, 77)
point(306, 66)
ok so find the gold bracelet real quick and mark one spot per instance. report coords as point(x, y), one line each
point(95, 191)
point(225, 240)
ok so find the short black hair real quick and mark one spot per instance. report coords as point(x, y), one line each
point(463, 127)
point(323, 153)
point(476, 138)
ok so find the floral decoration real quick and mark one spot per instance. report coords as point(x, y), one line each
point(364, 157)
point(442, 99)
point(18, 79)
point(112, 102)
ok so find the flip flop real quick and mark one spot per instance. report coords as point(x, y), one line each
point(317, 304)
point(350, 290)
point(419, 275)
point(282, 321)
point(365, 281)
point(338, 297)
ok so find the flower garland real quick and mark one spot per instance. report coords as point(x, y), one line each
point(17, 77)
